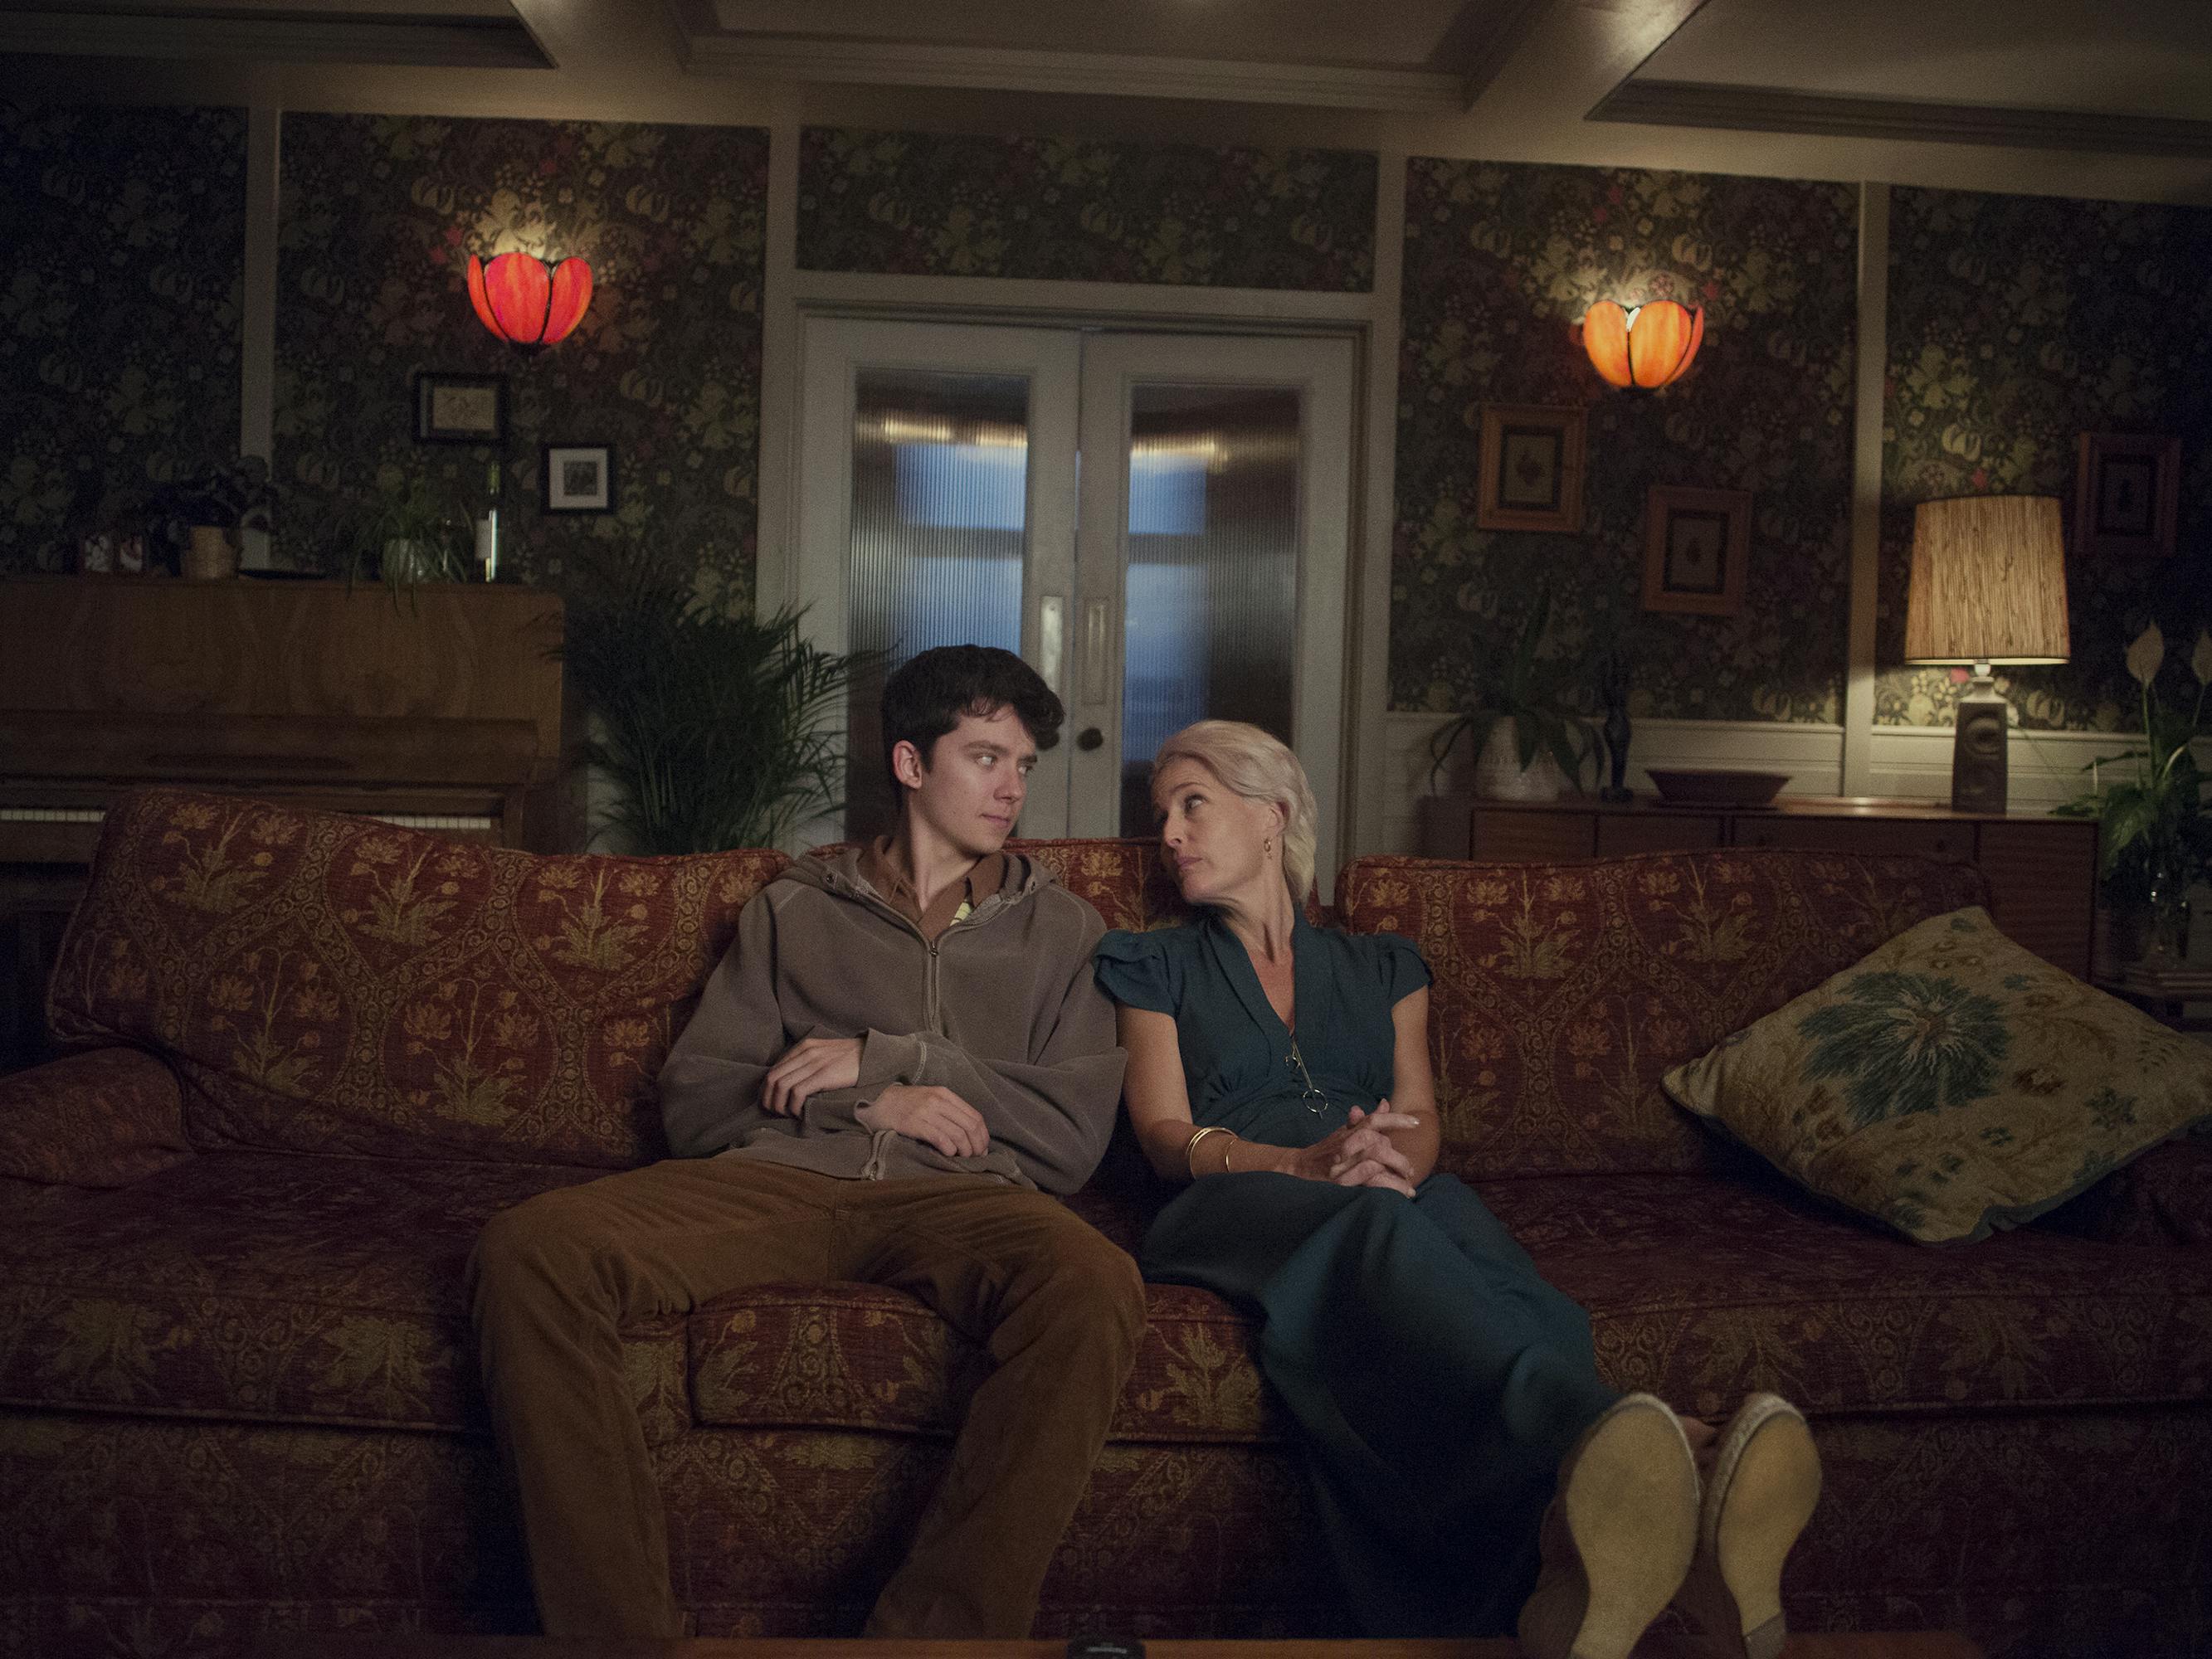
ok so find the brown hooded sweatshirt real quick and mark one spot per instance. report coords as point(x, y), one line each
point(1002, 1010)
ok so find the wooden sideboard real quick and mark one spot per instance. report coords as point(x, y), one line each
point(439, 707)
point(2042, 870)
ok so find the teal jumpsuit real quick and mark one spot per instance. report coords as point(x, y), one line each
point(1437, 1380)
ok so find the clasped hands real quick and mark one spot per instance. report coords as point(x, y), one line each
point(1362, 1153)
point(936, 1117)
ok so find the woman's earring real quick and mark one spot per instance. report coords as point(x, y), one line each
point(1268, 844)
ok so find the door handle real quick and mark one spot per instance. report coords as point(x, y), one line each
point(1090, 738)
point(1096, 622)
point(1052, 642)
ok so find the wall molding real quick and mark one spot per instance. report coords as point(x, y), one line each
point(1363, 816)
point(775, 559)
point(1153, 305)
point(257, 316)
point(1871, 375)
point(1773, 109)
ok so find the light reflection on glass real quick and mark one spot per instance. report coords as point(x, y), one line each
point(941, 489)
point(1211, 591)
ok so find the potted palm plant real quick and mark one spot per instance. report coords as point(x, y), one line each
point(1527, 743)
point(2154, 841)
point(716, 729)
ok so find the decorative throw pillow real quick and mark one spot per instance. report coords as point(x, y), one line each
point(1951, 1083)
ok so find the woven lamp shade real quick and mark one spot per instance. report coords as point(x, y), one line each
point(1989, 581)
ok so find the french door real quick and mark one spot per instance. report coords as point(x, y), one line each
point(1157, 523)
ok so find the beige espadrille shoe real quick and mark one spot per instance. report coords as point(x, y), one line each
point(1765, 1481)
point(1617, 1536)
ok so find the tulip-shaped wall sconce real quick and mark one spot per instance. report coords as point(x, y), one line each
point(523, 300)
point(1645, 348)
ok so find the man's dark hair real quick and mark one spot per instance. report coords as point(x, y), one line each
point(926, 698)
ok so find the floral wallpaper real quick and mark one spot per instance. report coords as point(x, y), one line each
point(2017, 323)
point(378, 215)
point(125, 231)
point(925, 204)
point(1501, 262)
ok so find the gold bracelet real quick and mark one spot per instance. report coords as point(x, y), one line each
point(1191, 1145)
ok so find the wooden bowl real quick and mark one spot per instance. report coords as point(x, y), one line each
point(1714, 788)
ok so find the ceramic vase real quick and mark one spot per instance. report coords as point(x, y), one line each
point(2169, 915)
point(210, 555)
point(1499, 776)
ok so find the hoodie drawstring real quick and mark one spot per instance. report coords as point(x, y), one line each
point(874, 1169)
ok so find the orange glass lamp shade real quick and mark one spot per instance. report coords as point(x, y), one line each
point(521, 299)
point(1647, 348)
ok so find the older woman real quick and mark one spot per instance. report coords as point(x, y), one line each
point(1458, 1433)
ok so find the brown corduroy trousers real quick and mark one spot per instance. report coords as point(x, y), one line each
point(553, 1279)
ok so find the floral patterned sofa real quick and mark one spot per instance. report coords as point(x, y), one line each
point(236, 1394)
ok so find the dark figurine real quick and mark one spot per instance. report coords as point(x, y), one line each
point(1612, 697)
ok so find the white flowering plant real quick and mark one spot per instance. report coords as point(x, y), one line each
point(2150, 801)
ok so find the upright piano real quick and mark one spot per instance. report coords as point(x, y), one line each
point(437, 707)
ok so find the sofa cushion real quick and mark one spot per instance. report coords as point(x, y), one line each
point(105, 1117)
point(1951, 1083)
point(274, 1288)
point(333, 984)
point(1700, 1287)
point(860, 1357)
point(1564, 992)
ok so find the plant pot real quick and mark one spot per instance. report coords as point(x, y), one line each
point(407, 561)
point(1499, 776)
point(210, 555)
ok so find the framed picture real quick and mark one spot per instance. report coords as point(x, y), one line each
point(1697, 544)
point(1532, 469)
point(579, 477)
point(459, 409)
point(2127, 494)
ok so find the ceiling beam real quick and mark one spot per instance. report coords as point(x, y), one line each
point(1490, 51)
point(294, 38)
point(766, 57)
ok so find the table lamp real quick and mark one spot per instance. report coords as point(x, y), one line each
point(1988, 586)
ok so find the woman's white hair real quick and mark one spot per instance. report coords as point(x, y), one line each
point(1251, 763)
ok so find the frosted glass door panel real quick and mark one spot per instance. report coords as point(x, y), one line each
point(940, 533)
point(1211, 591)
point(1215, 538)
point(941, 501)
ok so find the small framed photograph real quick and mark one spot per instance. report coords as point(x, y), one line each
point(1697, 545)
point(1532, 469)
point(459, 409)
point(579, 477)
point(2127, 494)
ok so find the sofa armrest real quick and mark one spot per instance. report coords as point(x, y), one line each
point(2164, 1197)
point(107, 1117)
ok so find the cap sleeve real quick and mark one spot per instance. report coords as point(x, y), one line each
point(1132, 969)
point(1397, 965)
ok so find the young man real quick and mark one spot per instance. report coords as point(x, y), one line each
point(902, 1054)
